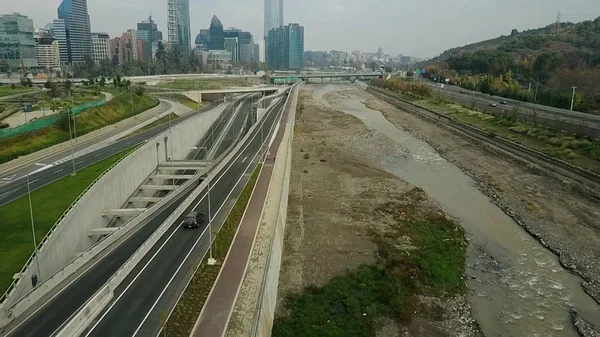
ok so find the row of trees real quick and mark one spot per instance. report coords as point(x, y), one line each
point(399, 85)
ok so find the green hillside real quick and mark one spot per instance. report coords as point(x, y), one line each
point(558, 57)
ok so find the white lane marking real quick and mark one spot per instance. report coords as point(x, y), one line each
point(9, 178)
point(195, 244)
point(79, 162)
point(5, 194)
point(33, 181)
point(262, 122)
point(244, 160)
point(58, 170)
point(97, 155)
point(40, 164)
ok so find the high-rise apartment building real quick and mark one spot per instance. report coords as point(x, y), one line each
point(77, 37)
point(178, 25)
point(46, 50)
point(286, 47)
point(217, 35)
point(100, 46)
point(148, 32)
point(17, 45)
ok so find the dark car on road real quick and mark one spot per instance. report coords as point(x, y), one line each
point(503, 102)
point(193, 220)
point(493, 105)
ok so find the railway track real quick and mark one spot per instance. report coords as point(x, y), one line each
point(582, 180)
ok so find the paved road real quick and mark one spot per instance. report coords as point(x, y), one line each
point(53, 314)
point(219, 305)
point(16, 188)
point(160, 280)
point(544, 113)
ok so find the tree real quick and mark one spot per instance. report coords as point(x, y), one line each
point(102, 82)
point(67, 85)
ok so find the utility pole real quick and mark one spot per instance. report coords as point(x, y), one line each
point(573, 98)
point(71, 141)
point(537, 84)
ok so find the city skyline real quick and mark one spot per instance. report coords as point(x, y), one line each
point(418, 28)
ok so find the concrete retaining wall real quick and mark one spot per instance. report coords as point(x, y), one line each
point(254, 309)
point(70, 237)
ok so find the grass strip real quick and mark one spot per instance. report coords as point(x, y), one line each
point(182, 99)
point(181, 322)
point(89, 120)
point(7, 90)
point(576, 149)
point(351, 304)
point(154, 124)
point(202, 84)
point(49, 203)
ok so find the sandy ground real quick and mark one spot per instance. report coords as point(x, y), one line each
point(561, 219)
point(335, 187)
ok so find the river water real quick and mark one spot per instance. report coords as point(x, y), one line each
point(516, 286)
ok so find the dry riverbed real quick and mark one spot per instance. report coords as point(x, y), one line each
point(366, 253)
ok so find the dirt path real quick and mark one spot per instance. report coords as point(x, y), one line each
point(339, 211)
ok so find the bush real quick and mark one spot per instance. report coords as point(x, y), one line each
point(3, 125)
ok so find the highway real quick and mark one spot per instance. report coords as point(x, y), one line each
point(53, 314)
point(545, 115)
point(18, 187)
point(162, 277)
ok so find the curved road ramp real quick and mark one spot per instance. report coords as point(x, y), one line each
point(81, 234)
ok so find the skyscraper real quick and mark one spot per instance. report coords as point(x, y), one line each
point(17, 45)
point(286, 47)
point(273, 15)
point(78, 35)
point(203, 40)
point(148, 32)
point(178, 24)
point(216, 34)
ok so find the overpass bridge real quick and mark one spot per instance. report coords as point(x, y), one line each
point(330, 76)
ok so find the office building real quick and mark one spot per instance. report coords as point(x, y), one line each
point(78, 37)
point(219, 59)
point(178, 25)
point(217, 35)
point(100, 47)
point(46, 50)
point(286, 47)
point(203, 40)
point(17, 45)
point(148, 32)
point(273, 15)
point(231, 44)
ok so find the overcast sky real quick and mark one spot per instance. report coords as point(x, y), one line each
point(420, 28)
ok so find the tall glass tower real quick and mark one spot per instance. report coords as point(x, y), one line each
point(17, 45)
point(178, 22)
point(273, 15)
point(78, 36)
point(273, 20)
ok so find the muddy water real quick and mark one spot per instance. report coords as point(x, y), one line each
point(516, 286)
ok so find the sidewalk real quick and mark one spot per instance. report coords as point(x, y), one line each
point(219, 305)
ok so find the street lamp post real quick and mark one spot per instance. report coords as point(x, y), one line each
point(573, 98)
point(71, 141)
point(34, 278)
point(211, 260)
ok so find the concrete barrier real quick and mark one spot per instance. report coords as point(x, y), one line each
point(59, 257)
point(93, 307)
point(255, 305)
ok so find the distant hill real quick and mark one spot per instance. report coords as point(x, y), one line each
point(559, 57)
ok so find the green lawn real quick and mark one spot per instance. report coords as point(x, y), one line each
point(350, 304)
point(91, 119)
point(6, 90)
point(202, 84)
point(183, 99)
point(581, 151)
point(49, 202)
